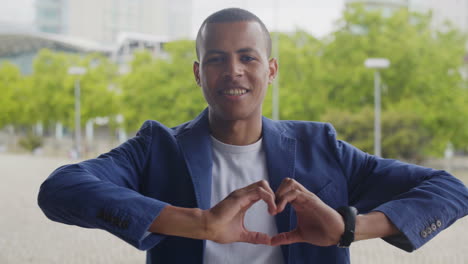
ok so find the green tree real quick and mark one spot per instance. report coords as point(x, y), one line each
point(54, 98)
point(402, 132)
point(322, 76)
point(424, 77)
point(162, 88)
point(99, 94)
point(302, 95)
point(11, 83)
point(54, 88)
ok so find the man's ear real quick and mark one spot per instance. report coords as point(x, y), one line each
point(273, 66)
point(196, 72)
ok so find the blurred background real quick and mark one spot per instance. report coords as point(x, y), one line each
point(78, 77)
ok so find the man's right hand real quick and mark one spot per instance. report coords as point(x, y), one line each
point(223, 223)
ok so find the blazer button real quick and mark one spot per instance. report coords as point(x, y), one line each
point(433, 227)
point(423, 234)
point(124, 224)
point(439, 223)
point(428, 230)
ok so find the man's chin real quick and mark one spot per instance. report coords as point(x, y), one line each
point(234, 114)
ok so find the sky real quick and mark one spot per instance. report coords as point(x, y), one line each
point(19, 11)
point(314, 16)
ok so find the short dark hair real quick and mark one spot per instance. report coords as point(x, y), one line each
point(233, 15)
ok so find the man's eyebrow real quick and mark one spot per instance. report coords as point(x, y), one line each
point(246, 50)
point(243, 50)
point(215, 51)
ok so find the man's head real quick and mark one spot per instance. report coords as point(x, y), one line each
point(234, 69)
point(230, 15)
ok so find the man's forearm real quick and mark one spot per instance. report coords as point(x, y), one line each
point(374, 225)
point(179, 221)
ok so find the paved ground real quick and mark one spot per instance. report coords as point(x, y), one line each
point(26, 236)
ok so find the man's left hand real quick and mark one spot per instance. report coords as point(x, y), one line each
point(317, 223)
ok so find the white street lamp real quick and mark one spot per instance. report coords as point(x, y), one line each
point(77, 71)
point(275, 97)
point(376, 64)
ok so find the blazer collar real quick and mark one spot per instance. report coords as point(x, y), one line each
point(195, 143)
point(280, 151)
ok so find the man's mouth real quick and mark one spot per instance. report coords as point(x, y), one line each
point(234, 91)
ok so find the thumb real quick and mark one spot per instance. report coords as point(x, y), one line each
point(255, 238)
point(286, 238)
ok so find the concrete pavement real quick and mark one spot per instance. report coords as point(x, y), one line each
point(27, 236)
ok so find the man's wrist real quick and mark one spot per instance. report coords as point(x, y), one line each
point(373, 225)
point(180, 221)
point(349, 217)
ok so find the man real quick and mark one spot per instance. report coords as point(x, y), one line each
point(180, 193)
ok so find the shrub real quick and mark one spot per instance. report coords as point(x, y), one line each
point(31, 142)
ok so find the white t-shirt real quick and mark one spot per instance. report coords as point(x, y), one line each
point(235, 167)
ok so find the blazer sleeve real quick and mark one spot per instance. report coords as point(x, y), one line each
point(419, 201)
point(103, 193)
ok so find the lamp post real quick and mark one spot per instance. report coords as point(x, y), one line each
point(376, 64)
point(77, 71)
point(275, 95)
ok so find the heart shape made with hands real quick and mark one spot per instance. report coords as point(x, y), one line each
point(317, 223)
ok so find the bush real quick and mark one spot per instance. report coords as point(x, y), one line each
point(31, 142)
point(403, 134)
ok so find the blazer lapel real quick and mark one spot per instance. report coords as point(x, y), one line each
point(280, 153)
point(195, 143)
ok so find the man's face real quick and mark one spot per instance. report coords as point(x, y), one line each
point(234, 70)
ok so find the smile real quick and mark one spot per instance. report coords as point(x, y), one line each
point(234, 92)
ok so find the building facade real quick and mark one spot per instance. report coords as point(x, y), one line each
point(104, 20)
point(51, 16)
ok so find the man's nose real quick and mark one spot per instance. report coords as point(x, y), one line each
point(233, 69)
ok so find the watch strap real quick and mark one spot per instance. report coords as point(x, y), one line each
point(349, 214)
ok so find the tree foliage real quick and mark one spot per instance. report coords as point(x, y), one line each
point(424, 97)
point(10, 86)
point(424, 80)
point(162, 88)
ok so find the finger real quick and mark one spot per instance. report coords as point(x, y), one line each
point(287, 185)
point(286, 238)
point(292, 197)
point(260, 193)
point(255, 238)
point(263, 183)
point(254, 185)
point(284, 187)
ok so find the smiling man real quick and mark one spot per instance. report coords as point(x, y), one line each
point(191, 194)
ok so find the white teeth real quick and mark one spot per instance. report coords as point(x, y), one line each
point(235, 91)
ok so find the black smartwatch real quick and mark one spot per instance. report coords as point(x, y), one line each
point(349, 214)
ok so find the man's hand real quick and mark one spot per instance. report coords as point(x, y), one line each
point(317, 223)
point(225, 221)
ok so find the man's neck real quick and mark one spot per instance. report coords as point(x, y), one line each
point(236, 132)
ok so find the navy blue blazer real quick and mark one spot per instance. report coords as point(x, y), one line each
point(123, 191)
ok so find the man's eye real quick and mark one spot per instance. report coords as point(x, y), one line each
point(247, 58)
